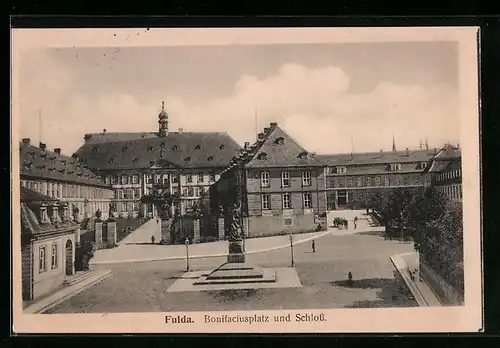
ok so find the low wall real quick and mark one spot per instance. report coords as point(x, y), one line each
point(262, 226)
point(446, 293)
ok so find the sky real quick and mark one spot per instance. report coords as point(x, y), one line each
point(331, 98)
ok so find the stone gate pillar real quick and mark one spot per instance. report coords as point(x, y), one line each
point(112, 233)
point(98, 235)
point(196, 231)
point(77, 235)
point(221, 229)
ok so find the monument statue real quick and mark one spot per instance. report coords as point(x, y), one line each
point(75, 210)
point(235, 231)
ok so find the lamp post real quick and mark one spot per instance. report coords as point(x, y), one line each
point(187, 254)
point(291, 248)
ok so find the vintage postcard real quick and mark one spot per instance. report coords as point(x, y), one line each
point(246, 180)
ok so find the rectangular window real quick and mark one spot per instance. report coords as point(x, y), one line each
point(175, 178)
point(54, 256)
point(349, 182)
point(135, 179)
point(113, 180)
point(197, 192)
point(157, 178)
point(42, 265)
point(368, 181)
point(286, 201)
point(189, 178)
point(137, 193)
point(306, 178)
point(148, 178)
point(264, 179)
point(397, 181)
point(387, 182)
point(341, 182)
point(285, 179)
point(212, 177)
point(124, 206)
point(416, 179)
point(125, 194)
point(377, 181)
point(190, 192)
point(108, 180)
point(307, 200)
point(185, 191)
point(359, 182)
point(266, 202)
point(341, 170)
point(360, 195)
point(200, 177)
point(406, 181)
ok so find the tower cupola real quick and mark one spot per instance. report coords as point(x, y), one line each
point(163, 121)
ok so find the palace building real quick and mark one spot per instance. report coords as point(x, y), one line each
point(48, 237)
point(445, 172)
point(64, 178)
point(278, 184)
point(352, 179)
point(184, 164)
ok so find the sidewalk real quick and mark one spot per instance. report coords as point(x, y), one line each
point(143, 253)
point(65, 293)
point(420, 290)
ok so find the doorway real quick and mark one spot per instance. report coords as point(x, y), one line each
point(342, 197)
point(69, 257)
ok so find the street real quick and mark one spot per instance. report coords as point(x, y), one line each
point(135, 287)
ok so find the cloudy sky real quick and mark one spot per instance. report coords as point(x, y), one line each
point(319, 93)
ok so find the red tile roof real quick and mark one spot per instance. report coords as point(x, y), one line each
point(113, 151)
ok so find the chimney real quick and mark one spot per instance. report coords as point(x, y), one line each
point(435, 151)
point(26, 141)
point(266, 130)
point(87, 137)
point(247, 145)
point(458, 146)
point(104, 131)
point(273, 124)
point(260, 136)
point(75, 156)
point(57, 150)
point(43, 146)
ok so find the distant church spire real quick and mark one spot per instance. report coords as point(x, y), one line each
point(163, 121)
point(393, 143)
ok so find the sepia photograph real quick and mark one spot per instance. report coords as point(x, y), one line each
point(246, 180)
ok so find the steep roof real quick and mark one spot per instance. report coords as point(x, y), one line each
point(382, 157)
point(113, 151)
point(278, 149)
point(31, 224)
point(444, 157)
point(44, 164)
point(28, 195)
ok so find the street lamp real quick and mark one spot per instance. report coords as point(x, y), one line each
point(291, 247)
point(187, 254)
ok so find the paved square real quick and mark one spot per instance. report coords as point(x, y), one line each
point(142, 287)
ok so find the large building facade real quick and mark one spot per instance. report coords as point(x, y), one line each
point(55, 175)
point(48, 238)
point(445, 172)
point(279, 185)
point(135, 165)
point(352, 179)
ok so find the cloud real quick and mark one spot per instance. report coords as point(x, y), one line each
point(313, 105)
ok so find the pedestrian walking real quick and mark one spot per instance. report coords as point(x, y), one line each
point(152, 239)
point(157, 221)
point(349, 278)
point(355, 222)
point(313, 245)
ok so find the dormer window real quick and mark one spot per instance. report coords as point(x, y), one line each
point(112, 160)
point(210, 158)
point(125, 148)
point(51, 168)
point(175, 148)
point(262, 156)
point(395, 166)
point(340, 170)
point(136, 160)
point(52, 158)
point(423, 165)
point(302, 155)
point(187, 159)
point(197, 147)
point(152, 163)
point(222, 147)
point(150, 148)
point(162, 144)
point(280, 141)
point(43, 155)
point(41, 166)
point(61, 170)
point(95, 149)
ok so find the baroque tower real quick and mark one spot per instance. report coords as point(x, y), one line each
point(163, 121)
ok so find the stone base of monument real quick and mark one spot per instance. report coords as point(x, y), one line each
point(237, 273)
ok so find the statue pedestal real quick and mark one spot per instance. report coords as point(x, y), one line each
point(236, 253)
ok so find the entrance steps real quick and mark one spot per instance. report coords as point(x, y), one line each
point(78, 277)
